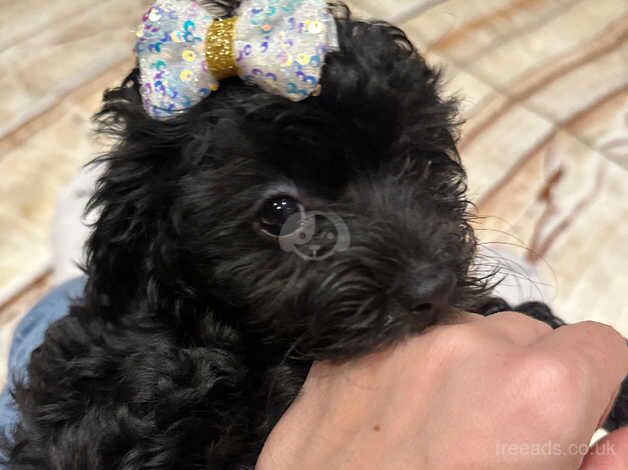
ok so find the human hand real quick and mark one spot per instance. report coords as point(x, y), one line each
point(504, 391)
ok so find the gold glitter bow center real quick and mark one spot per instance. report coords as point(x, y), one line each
point(219, 48)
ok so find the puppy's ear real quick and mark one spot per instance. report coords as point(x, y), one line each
point(385, 93)
point(130, 251)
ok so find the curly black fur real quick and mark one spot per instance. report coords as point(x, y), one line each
point(196, 331)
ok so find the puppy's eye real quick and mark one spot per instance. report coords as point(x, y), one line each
point(276, 212)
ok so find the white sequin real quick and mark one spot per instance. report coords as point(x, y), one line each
point(279, 45)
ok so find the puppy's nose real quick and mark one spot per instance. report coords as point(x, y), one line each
point(428, 289)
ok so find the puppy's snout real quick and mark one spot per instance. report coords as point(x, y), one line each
point(428, 289)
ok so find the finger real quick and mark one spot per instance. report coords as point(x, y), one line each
point(610, 453)
point(517, 327)
point(598, 353)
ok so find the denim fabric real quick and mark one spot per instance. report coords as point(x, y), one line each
point(28, 335)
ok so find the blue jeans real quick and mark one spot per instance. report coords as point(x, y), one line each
point(28, 335)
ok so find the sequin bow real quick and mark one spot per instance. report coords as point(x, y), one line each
point(184, 51)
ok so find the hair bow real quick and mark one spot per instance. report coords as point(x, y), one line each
point(184, 51)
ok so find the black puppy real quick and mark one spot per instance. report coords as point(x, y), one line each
point(201, 316)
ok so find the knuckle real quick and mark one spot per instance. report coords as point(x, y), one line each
point(550, 388)
point(545, 373)
point(454, 340)
point(597, 343)
point(602, 329)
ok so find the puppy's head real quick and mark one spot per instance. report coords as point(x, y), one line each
point(328, 227)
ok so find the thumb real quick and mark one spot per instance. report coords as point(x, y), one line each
point(609, 453)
